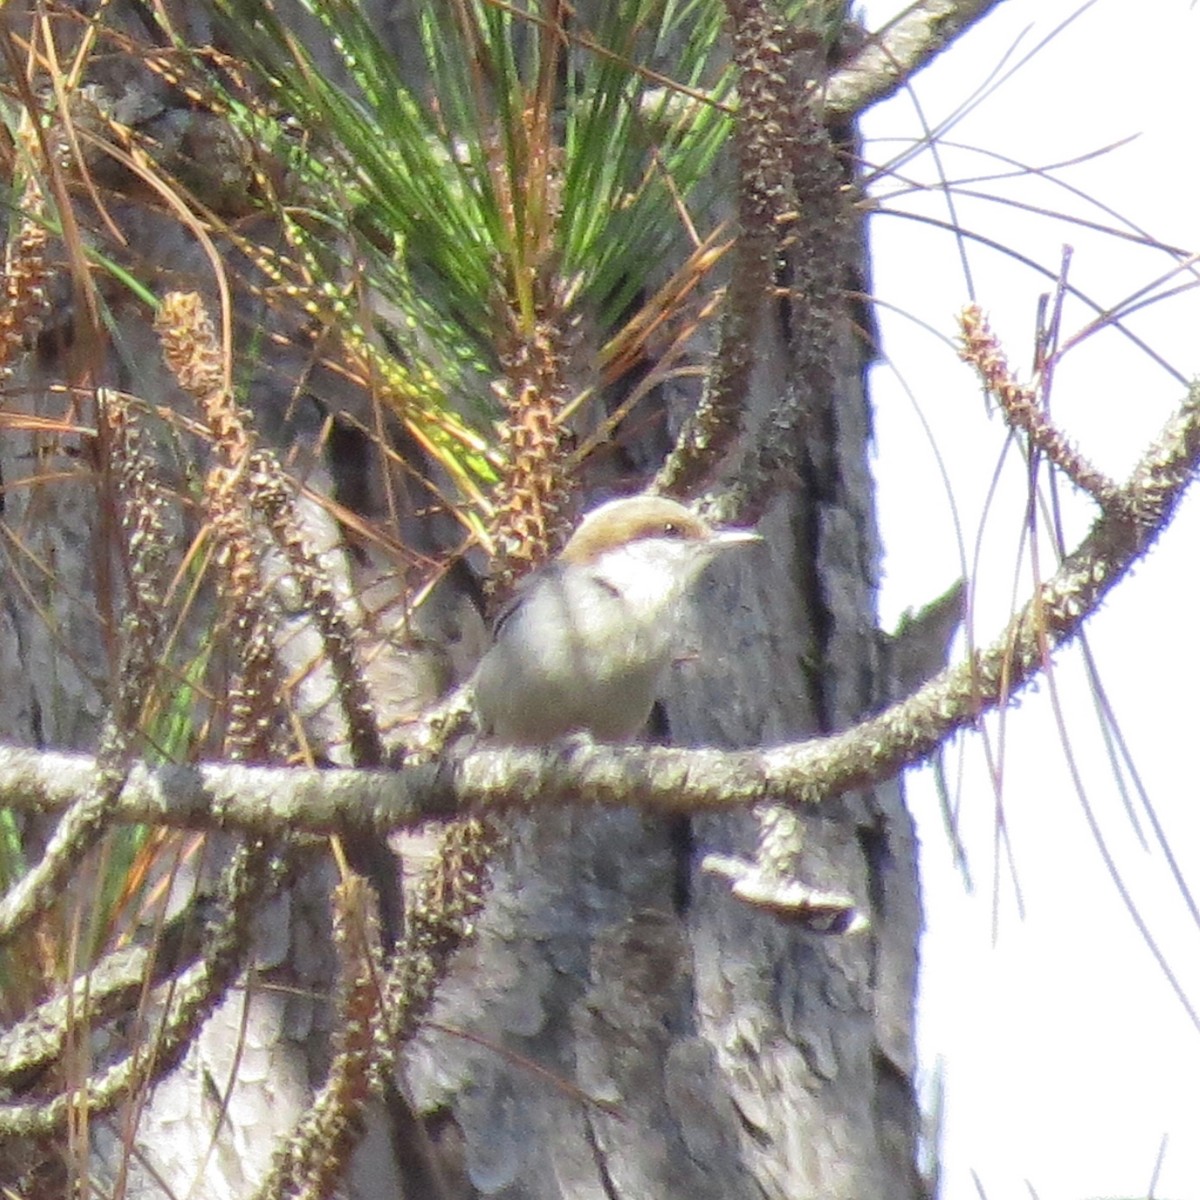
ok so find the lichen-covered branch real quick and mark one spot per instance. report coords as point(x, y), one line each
point(892, 55)
point(190, 998)
point(272, 801)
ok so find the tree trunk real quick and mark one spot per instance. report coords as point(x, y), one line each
point(744, 1057)
point(622, 1026)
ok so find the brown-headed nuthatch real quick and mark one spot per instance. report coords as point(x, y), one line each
point(586, 641)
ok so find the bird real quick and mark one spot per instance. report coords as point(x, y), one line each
point(585, 642)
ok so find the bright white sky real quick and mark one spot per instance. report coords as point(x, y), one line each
point(1069, 1061)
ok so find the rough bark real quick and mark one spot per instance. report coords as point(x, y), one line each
point(621, 1027)
point(744, 1057)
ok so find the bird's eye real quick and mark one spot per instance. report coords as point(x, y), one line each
point(672, 529)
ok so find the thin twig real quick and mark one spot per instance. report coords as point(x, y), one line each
point(981, 348)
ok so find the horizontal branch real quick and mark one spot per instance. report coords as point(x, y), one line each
point(273, 801)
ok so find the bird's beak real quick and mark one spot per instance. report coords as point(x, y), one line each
point(735, 537)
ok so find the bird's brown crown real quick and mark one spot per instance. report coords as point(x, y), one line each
point(632, 519)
